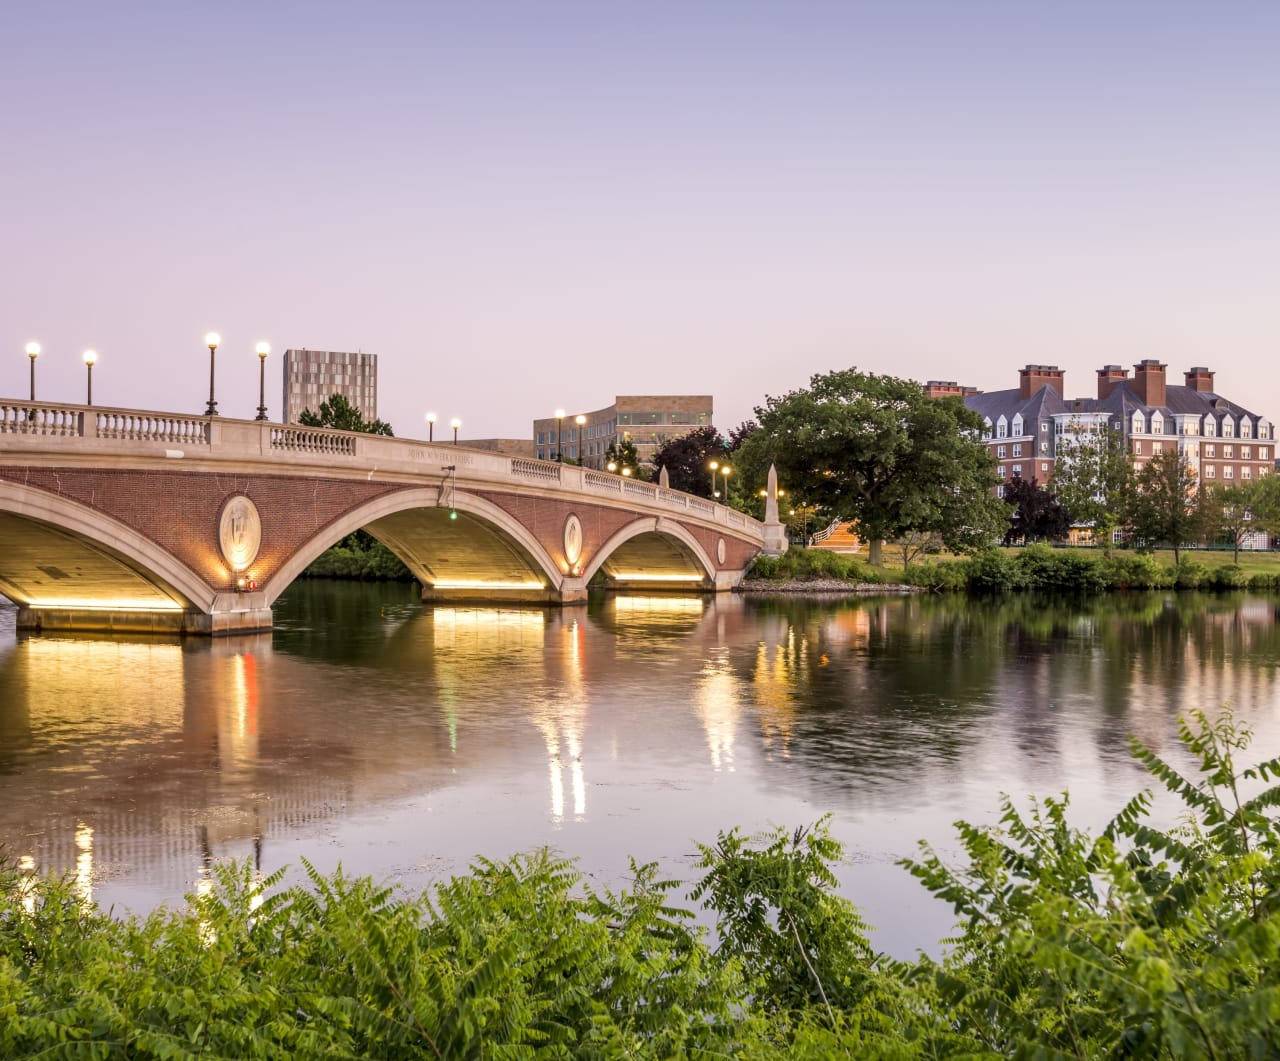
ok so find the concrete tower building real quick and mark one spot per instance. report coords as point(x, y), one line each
point(311, 376)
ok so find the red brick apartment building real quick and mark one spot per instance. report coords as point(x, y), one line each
point(1222, 441)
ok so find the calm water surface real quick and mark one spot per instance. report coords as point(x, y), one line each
point(402, 742)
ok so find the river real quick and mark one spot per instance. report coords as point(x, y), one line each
point(403, 741)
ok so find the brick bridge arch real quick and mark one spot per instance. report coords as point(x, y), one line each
point(109, 519)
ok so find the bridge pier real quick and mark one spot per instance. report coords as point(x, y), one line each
point(232, 613)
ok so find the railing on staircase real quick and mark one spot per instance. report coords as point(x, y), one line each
point(825, 533)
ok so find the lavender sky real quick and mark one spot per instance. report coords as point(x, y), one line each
point(525, 206)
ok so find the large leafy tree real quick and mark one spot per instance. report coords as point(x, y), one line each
point(623, 454)
point(337, 412)
point(1037, 515)
point(1228, 512)
point(1165, 507)
point(876, 450)
point(1093, 479)
point(686, 458)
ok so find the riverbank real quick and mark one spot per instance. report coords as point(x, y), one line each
point(828, 587)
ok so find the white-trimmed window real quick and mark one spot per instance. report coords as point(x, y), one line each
point(1246, 472)
point(1210, 471)
point(986, 427)
point(1210, 426)
point(1137, 446)
point(1017, 471)
point(1017, 449)
point(1000, 470)
point(1002, 451)
point(1044, 467)
point(1246, 452)
point(1246, 428)
point(1228, 428)
point(1002, 428)
point(1229, 451)
point(1263, 453)
point(1157, 448)
point(1017, 425)
point(1157, 424)
point(1000, 490)
point(1210, 450)
point(1228, 471)
point(1139, 425)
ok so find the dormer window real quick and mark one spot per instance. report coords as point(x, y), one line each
point(1002, 428)
point(1246, 429)
point(1210, 426)
point(1228, 428)
point(1157, 424)
point(986, 427)
point(1017, 424)
point(1138, 423)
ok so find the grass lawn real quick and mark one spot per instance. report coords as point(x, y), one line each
point(1251, 561)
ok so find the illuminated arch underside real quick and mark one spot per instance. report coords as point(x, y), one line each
point(655, 557)
point(461, 552)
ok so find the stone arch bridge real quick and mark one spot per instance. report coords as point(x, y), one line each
point(117, 519)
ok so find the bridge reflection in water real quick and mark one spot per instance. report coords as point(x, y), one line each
point(404, 742)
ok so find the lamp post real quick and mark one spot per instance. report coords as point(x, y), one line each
point(211, 341)
point(263, 351)
point(455, 423)
point(559, 436)
point(714, 466)
point(90, 359)
point(431, 427)
point(725, 470)
point(581, 420)
point(33, 351)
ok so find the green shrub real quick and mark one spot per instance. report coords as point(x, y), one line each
point(1189, 574)
point(945, 576)
point(1263, 582)
point(1134, 571)
point(992, 571)
point(1226, 576)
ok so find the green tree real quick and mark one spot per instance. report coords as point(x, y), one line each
point(338, 413)
point(1228, 511)
point(1093, 479)
point(624, 455)
point(876, 450)
point(1165, 507)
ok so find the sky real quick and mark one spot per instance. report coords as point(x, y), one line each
point(527, 206)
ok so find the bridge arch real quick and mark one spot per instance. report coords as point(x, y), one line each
point(688, 546)
point(378, 517)
point(117, 566)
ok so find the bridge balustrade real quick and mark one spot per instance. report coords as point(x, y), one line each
point(535, 469)
point(28, 418)
point(151, 427)
point(603, 482)
point(313, 440)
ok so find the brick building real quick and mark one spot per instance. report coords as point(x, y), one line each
point(645, 420)
point(312, 376)
point(1221, 440)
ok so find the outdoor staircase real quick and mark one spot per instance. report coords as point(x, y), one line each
point(837, 538)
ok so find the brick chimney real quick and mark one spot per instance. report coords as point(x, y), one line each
point(943, 388)
point(1200, 379)
point(1109, 378)
point(1033, 377)
point(1148, 381)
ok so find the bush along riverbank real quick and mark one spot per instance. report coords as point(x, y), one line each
point(1035, 567)
point(359, 556)
point(1135, 943)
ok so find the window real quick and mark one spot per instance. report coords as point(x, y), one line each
point(1002, 428)
point(1044, 447)
point(1000, 451)
point(1210, 428)
point(1044, 426)
point(1262, 453)
point(986, 428)
point(1157, 448)
point(1138, 423)
point(1211, 471)
point(1228, 451)
point(1246, 473)
point(1137, 446)
point(1000, 490)
point(1228, 471)
point(1246, 429)
point(1228, 428)
point(1017, 471)
point(1017, 449)
point(1157, 424)
point(1246, 452)
point(1210, 451)
point(1017, 424)
point(1044, 467)
point(541, 456)
point(1000, 470)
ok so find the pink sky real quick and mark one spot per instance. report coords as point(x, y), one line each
point(520, 207)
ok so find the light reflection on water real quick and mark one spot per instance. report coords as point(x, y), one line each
point(403, 741)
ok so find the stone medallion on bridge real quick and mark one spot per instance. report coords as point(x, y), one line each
point(720, 550)
point(572, 539)
point(239, 532)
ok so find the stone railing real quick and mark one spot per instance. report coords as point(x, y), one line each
point(530, 469)
point(151, 427)
point(598, 481)
point(292, 439)
point(32, 418)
